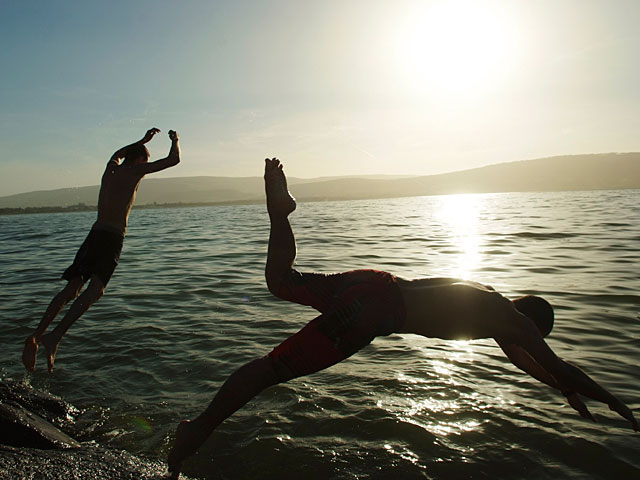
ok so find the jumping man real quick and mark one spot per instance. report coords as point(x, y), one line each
point(357, 306)
point(99, 254)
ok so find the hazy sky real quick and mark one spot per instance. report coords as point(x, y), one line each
point(331, 87)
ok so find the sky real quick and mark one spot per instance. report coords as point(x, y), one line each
point(334, 87)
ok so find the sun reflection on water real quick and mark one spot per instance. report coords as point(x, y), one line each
point(437, 402)
point(432, 405)
point(458, 216)
point(404, 453)
point(443, 428)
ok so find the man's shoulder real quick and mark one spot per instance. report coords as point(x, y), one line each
point(486, 299)
point(124, 172)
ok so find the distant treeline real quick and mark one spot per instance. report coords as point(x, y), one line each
point(81, 207)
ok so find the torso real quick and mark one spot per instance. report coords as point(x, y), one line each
point(117, 193)
point(455, 309)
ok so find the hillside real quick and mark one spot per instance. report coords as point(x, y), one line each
point(575, 172)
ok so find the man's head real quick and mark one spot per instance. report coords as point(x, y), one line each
point(538, 310)
point(136, 153)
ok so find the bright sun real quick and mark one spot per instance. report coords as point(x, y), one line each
point(458, 47)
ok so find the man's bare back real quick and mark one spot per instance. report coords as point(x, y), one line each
point(455, 309)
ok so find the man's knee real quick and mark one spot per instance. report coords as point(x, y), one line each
point(63, 297)
point(267, 370)
point(76, 288)
point(99, 292)
point(96, 289)
point(68, 293)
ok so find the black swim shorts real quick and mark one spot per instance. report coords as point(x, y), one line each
point(98, 255)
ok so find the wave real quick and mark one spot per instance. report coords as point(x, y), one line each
point(542, 236)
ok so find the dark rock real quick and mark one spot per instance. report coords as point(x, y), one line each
point(26, 417)
point(21, 428)
point(85, 463)
point(31, 447)
point(47, 406)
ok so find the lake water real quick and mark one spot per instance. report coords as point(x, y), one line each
point(188, 304)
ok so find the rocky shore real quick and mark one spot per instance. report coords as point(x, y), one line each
point(37, 442)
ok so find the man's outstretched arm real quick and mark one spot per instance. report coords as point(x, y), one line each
point(121, 153)
point(570, 379)
point(170, 161)
point(590, 388)
point(521, 359)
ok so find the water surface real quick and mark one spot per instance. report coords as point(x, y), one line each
point(188, 304)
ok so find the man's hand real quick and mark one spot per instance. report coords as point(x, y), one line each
point(623, 410)
point(173, 135)
point(149, 135)
point(578, 405)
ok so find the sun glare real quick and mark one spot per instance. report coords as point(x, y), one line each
point(457, 47)
point(459, 213)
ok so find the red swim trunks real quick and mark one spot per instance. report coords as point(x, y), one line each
point(356, 307)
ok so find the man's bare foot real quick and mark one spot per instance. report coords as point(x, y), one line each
point(279, 201)
point(188, 439)
point(50, 345)
point(29, 353)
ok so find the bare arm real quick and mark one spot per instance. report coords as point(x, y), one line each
point(521, 359)
point(120, 154)
point(569, 379)
point(171, 160)
point(589, 388)
point(566, 376)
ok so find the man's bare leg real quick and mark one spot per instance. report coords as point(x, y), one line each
point(51, 340)
point(244, 384)
point(282, 245)
point(68, 293)
point(252, 378)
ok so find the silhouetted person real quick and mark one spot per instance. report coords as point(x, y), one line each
point(99, 254)
point(359, 305)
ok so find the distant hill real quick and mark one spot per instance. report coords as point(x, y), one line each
point(608, 171)
point(612, 171)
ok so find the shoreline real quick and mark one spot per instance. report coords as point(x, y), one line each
point(81, 207)
point(93, 208)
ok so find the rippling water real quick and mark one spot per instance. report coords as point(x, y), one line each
point(188, 304)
